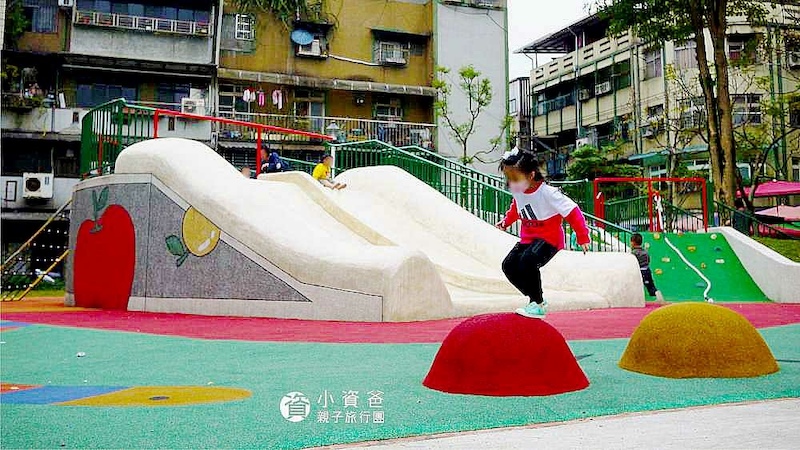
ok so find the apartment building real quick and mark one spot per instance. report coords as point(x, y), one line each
point(75, 55)
point(355, 70)
point(598, 89)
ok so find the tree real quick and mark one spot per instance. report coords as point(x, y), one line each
point(284, 10)
point(16, 23)
point(589, 162)
point(658, 21)
point(478, 92)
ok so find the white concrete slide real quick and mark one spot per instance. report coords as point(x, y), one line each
point(775, 274)
point(388, 237)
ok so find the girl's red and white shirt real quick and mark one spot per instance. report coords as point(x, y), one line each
point(541, 211)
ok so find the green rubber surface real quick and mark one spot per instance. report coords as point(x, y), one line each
point(46, 355)
point(730, 282)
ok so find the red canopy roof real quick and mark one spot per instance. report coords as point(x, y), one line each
point(776, 189)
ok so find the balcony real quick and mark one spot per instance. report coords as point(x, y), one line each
point(344, 129)
point(602, 49)
point(142, 38)
point(146, 24)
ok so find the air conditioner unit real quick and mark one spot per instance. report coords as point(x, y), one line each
point(584, 94)
point(37, 185)
point(312, 49)
point(583, 141)
point(793, 59)
point(648, 132)
point(66, 3)
point(602, 88)
point(193, 106)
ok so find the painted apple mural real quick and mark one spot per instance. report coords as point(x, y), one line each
point(105, 255)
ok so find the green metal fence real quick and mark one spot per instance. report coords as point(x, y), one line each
point(482, 195)
point(299, 165)
point(107, 129)
point(747, 223)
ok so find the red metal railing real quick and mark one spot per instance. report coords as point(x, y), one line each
point(599, 198)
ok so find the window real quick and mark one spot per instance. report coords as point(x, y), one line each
point(794, 115)
point(244, 27)
point(653, 66)
point(686, 55)
point(742, 48)
point(90, 95)
point(171, 94)
point(622, 75)
point(391, 53)
point(692, 113)
point(388, 109)
point(655, 120)
point(512, 106)
point(746, 108)
point(796, 169)
point(41, 15)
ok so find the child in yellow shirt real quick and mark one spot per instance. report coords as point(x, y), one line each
point(322, 173)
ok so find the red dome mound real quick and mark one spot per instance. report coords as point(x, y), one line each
point(503, 355)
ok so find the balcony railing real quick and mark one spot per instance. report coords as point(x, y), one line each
point(148, 24)
point(345, 129)
point(601, 49)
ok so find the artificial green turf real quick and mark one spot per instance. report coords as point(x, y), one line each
point(730, 282)
point(43, 354)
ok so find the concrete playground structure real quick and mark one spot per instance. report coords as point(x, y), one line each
point(697, 340)
point(178, 229)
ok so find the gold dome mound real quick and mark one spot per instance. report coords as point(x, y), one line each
point(697, 340)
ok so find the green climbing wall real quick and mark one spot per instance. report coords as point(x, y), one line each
point(710, 253)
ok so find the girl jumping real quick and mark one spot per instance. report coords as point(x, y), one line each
point(541, 208)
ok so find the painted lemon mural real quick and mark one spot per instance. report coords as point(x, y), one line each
point(199, 237)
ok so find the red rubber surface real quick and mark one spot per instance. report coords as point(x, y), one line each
point(596, 324)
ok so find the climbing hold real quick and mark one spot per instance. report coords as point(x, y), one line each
point(717, 249)
point(700, 284)
point(703, 265)
point(720, 261)
point(659, 271)
point(665, 259)
point(713, 235)
point(656, 236)
point(646, 245)
point(691, 248)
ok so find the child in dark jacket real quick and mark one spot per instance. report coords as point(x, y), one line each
point(644, 266)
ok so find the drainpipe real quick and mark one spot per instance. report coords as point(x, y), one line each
point(784, 161)
point(575, 91)
point(216, 62)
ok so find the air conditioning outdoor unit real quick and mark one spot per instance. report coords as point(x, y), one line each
point(584, 94)
point(193, 106)
point(312, 49)
point(66, 3)
point(580, 142)
point(37, 185)
point(793, 59)
point(647, 132)
point(602, 88)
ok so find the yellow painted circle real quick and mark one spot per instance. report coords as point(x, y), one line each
point(199, 235)
point(163, 396)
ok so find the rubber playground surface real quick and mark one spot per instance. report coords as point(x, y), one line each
point(113, 379)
